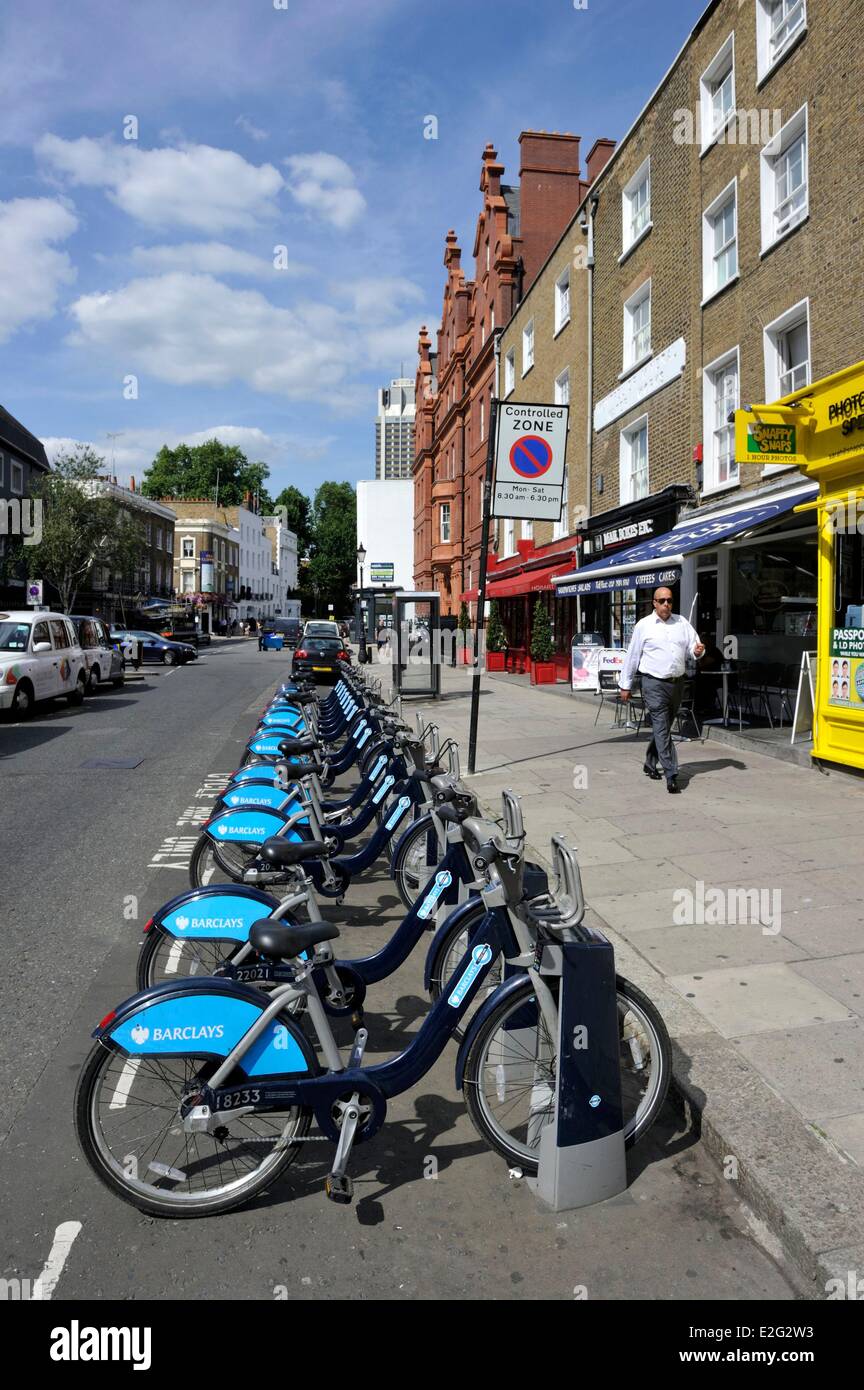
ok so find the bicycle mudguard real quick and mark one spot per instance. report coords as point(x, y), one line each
point(506, 988)
point(252, 826)
point(205, 1018)
point(223, 912)
point(283, 717)
point(260, 793)
point(255, 772)
point(460, 915)
point(269, 741)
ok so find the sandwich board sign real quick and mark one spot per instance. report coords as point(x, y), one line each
point(529, 461)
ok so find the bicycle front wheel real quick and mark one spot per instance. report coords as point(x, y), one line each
point(415, 860)
point(219, 863)
point(127, 1117)
point(511, 1068)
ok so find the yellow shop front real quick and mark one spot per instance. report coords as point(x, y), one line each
point(821, 429)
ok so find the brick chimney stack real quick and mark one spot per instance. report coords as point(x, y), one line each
point(132, 484)
point(598, 157)
point(550, 190)
point(452, 252)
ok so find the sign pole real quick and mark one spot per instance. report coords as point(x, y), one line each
point(481, 598)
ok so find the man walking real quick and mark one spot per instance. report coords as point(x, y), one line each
point(658, 650)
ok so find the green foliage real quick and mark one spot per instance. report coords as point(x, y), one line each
point(541, 634)
point(82, 526)
point(463, 621)
point(333, 565)
point(192, 470)
point(496, 637)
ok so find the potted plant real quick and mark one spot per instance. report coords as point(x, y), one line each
point(542, 665)
point(463, 622)
point(496, 640)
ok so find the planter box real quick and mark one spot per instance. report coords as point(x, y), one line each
point(495, 661)
point(542, 672)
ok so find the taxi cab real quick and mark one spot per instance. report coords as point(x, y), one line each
point(40, 658)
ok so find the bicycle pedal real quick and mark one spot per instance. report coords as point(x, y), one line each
point(339, 1190)
point(357, 1020)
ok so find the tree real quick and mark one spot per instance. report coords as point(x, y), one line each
point(82, 526)
point(541, 633)
point(198, 470)
point(496, 637)
point(334, 545)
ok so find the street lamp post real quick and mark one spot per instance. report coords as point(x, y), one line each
point(361, 558)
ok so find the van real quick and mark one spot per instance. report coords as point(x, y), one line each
point(290, 629)
point(40, 658)
point(104, 661)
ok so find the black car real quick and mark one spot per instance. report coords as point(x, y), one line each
point(319, 658)
point(159, 649)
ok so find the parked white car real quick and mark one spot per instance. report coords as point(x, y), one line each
point(39, 659)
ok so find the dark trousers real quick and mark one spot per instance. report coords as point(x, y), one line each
point(662, 699)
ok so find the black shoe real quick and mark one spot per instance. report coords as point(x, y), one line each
point(672, 786)
point(654, 773)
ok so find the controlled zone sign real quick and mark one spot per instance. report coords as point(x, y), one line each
point(529, 461)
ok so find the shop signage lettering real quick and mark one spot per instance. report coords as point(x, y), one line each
point(846, 668)
point(840, 410)
point(628, 533)
point(771, 439)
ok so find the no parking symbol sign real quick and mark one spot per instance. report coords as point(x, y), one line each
point(529, 461)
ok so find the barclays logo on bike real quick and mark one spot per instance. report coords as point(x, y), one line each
point(442, 881)
point(480, 956)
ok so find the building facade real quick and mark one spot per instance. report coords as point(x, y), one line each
point(207, 561)
point(284, 562)
point(394, 430)
point(22, 459)
point(516, 228)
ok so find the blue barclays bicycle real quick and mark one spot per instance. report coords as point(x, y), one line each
point(199, 1094)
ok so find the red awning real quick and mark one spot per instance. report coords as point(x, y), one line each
point(530, 582)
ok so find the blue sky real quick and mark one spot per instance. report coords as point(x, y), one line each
point(261, 127)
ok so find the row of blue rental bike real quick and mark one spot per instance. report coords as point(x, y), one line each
point(202, 1087)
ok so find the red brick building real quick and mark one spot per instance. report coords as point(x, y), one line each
point(516, 229)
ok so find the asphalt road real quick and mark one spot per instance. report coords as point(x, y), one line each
point(87, 855)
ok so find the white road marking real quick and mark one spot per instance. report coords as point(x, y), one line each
point(174, 958)
point(124, 1083)
point(64, 1238)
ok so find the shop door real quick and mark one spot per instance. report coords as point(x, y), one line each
point(705, 615)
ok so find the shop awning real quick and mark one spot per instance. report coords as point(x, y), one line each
point(529, 582)
point(659, 560)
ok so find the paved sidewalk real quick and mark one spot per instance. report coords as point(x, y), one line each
point(766, 1011)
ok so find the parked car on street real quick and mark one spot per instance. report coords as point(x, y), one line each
point(319, 658)
point(290, 629)
point(159, 649)
point(40, 658)
point(321, 628)
point(104, 661)
point(130, 648)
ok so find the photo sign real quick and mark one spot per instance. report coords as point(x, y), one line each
point(529, 461)
point(845, 673)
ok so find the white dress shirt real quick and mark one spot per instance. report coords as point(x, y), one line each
point(658, 648)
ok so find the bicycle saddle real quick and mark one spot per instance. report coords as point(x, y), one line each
point(299, 745)
point(284, 853)
point(278, 942)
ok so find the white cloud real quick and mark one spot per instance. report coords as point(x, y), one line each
point(194, 330)
point(254, 131)
point(379, 297)
point(206, 257)
point(31, 270)
point(135, 450)
point(324, 184)
point(193, 186)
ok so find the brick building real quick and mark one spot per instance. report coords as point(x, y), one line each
point(207, 559)
point(516, 228)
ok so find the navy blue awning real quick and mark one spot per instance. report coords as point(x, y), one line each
point(659, 560)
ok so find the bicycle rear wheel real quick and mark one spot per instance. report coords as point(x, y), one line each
point(129, 1127)
point(510, 1072)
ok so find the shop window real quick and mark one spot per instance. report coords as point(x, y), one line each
point(779, 25)
point(846, 659)
point(509, 371)
point(634, 461)
point(562, 300)
point(784, 193)
point(528, 347)
point(787, 352)
point(637, 326)
point(720, 242)
point(719, 398)
point(636, 207)
point(773, 588)
point(717, 93)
